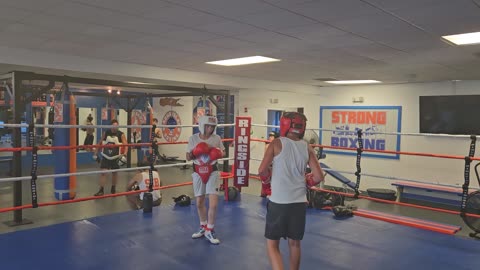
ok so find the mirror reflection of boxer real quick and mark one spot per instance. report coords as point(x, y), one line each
point(112, 157)
point(89, 137)
point(204, 149)
point(157, 137)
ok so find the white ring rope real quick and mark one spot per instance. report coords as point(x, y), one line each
point(383, 133)
point(23, 178)
point(105, 126)
point(386, 177)
point(221, 125)
point(231, 125)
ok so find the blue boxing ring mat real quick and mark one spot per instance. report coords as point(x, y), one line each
point(162, 240)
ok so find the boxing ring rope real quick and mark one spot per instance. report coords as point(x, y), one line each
point(223, 176)
point(453, 212)
point(104, 126)
point(23, 178)
point(89, 198)
point(468, 159)
point(385, 151)
point(352, 195)
point(8, 209)
point(383, 133)
point(30, 148)
point(382, 176)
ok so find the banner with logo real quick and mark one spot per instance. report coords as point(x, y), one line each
point(171, 134)
point(345, 121)
point(243, 125)
point(139, 117)
point(58, 113)
point(104, 113)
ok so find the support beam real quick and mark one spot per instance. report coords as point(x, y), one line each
point(19, 107)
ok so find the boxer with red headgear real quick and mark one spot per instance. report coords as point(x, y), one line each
point(293, 122)
point(289, 156)
point(204, 149)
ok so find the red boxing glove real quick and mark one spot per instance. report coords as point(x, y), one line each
point(215, 153)
point(200, 149)
point(266, 177)
point(266, 190)
point(310, 181)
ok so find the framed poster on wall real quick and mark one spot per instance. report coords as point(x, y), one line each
point(344, 122)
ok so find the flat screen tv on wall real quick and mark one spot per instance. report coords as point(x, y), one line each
point(450, 114)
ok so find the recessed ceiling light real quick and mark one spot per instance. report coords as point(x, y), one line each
point(353, 82)
point(464, 39)
point(244, 61)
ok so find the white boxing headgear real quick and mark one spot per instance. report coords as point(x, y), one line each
point(122, 161)
point(206, 120)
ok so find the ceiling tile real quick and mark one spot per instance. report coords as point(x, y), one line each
point(444, 18)
point(13, 14)
point(127, 6)
point(327, 10)
point(273, 20)
point(183, 16)
point(392, 40)
point(56, 24)
point(31, 5)
point(228, 28)
point(22, 41)
point(227, 8)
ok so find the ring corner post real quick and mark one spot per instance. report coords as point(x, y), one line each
point(18, 108)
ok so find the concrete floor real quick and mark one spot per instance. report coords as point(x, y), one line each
point(88, 185)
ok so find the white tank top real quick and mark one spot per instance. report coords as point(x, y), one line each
point(288, 172)
point(156, 194)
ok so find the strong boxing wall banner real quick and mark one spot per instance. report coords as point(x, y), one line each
point(343, 123)
point(243, 125)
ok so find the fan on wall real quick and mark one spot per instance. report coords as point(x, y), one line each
point(311, 136)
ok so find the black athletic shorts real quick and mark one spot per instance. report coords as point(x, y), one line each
point(109, 164)
point(285, 220)
point(88, 139)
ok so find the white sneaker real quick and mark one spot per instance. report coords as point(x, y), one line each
point(200, 233)
point(210, 236)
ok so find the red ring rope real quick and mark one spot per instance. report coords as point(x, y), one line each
point(387, 201)
point(18, 149)
point(26, 206)
point(8, 209)
point(384, 151)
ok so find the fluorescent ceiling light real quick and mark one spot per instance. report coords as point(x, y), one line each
point(353, 82)
point(138, 82)
point(244, 61)
point(464, 39)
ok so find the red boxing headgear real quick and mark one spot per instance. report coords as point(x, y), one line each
point(293, 122)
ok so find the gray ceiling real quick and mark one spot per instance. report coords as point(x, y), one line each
point(388, 40)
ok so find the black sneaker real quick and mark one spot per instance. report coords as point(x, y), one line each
point(112, 190)
point(99, 193)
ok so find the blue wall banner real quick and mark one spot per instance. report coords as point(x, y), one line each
point(347, 120)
